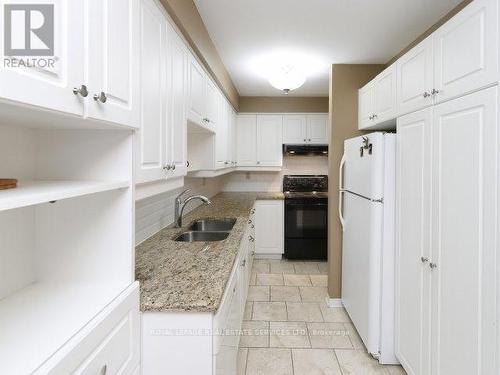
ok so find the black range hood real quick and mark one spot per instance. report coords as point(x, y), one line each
point(305, 150)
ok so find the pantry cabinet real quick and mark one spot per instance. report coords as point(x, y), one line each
point(447, 240)
point(305, 129)
point(113, 61)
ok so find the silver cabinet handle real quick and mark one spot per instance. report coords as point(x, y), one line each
point(251, 239)
point(305, 140)
point(101, 97)
point(258, 162)
point(104, 370)
point(424, 259)
point(253, 211)
point(309, 140)
point(432, 265)
point(243, 263)
point(252, 226)
point(426, 94)
point(250, 221)
point(173, 167)
point(226, 163)
point(375, 116)
point(167, 167)
point(82, 91)
point(435, 91)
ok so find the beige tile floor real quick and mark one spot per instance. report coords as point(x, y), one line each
point(289, 330)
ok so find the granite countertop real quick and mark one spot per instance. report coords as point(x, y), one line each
point(180, 276)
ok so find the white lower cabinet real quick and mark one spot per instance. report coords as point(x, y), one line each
point(269, 230)
point(109, 345)
point(447, 264)
point(208, 342)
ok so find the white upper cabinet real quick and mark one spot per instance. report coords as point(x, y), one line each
point(317, 129)
point(213, 104)
point(269, 140)
point(52, 88)
point(197, 91)
point(247, 140)
point(113, 61)
point(415, 78)
point(305, 129)
point(177, 95)
point(221, 135)
point(294, 129)
point(377, 100)
point(151, 157)
point(466, 51)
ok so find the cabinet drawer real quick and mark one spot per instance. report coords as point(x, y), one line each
point(112, 339)
point(114, 354)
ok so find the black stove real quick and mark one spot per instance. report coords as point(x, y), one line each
point(306, 216)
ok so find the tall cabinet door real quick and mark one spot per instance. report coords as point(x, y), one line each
point(50, 87)
point(365, 106)
point(113, 61)
point(246, 136)
point(317, 129)
point(177, 95)
point(152, 137)
point(466, 51)
point(294, 129)
point(465, 235)
point(415, 78)
point(221, 136)
point(413, 241)
point(269, 140)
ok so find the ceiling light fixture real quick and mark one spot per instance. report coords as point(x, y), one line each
point(287, 78)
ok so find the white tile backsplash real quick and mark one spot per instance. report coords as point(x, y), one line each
point(272, 181)
point(157, 212)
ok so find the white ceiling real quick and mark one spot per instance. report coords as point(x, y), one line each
point(329, 31)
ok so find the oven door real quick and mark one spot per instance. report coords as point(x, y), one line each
point(306, 218)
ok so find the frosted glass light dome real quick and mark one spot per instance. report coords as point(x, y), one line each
point(287, 79)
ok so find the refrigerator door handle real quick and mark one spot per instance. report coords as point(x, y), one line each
point(341, 192)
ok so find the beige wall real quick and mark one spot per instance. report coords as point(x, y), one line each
point(433, 28)
point(274, 104)
point(188, 20)
point(345, 81)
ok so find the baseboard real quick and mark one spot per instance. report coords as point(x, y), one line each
point(269, 256)
point(334, 302)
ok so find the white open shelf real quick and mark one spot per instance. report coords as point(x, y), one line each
point(33, 192)
point(39, 319)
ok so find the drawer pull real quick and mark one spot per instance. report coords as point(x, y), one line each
point(250, 221)
point(104, 370)
point(243, 263)
point(251, 239)
point(252, 226)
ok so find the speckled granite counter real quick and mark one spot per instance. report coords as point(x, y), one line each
point(180, 276)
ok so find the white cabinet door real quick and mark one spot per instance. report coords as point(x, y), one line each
point(269, 140)
point(413, 242)
point(113, 61)
point(213, 99)
point(152, 138)
point(221, 136)
point(365, 110)
point(177, 94)
point(197, 91)
point(466, 51)
point(247, 140)
point(269, 224)
point(465, 235)
point(51, 87)
point(317, 129)
point(415, 78)
point(384, 95)
point(294, 129)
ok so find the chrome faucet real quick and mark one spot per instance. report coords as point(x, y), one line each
point(180, 205)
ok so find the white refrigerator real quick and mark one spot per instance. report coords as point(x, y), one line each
point(367, 214)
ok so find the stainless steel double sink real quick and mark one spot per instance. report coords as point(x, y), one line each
point(207, 230)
